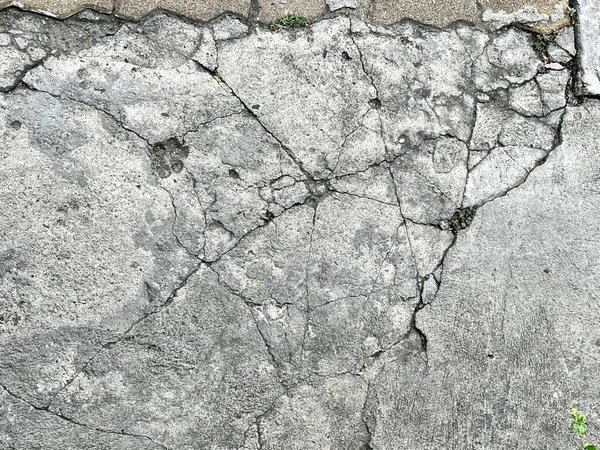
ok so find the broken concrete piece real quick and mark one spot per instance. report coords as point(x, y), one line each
point(588, 13)
point(542, 15)
point(334, 5)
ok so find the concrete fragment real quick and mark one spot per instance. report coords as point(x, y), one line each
point(558, 54)
point(421, 81)
point(156, 61)
point(512, 53)
point(334, 5)
point(354, 278)
point(588, 14)
point(228, 27)
point(552, 85)
point(206, 55)
point(495, 125)
point(36, 37)
point(526, 132)
point(565, 38)
point(541, 14)
point(526, 99)
point(430, 289)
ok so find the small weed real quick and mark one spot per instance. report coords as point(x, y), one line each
point(289, 21)
point(217, 78)
point(572, 13)
point(581, 427)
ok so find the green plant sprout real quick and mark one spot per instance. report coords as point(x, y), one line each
point(289, 21)
point(581, 427)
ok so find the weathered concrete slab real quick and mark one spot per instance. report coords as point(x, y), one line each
point(589, 43)
point(343, 236)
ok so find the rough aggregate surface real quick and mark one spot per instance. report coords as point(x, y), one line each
point(345, 236)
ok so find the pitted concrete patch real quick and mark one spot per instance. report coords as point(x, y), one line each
point(217, 236)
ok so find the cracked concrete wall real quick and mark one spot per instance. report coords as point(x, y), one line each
point(349, 236)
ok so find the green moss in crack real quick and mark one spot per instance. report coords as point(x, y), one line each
point(462, 218)
point(289, 21)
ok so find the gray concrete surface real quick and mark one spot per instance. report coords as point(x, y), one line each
point(535, 13)
point(346, 236)
point(271, 10)
point(589, 39)
point(428, 11)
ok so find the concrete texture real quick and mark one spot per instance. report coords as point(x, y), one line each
point(198, 10)
point(134, 9)
point(334, 5)
point(270, 10)
point(432, 12)
point(346, 236)
point(547, 15)
point(544, 16)
point(60, 8)
point(513, 318)
point(589, 42)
